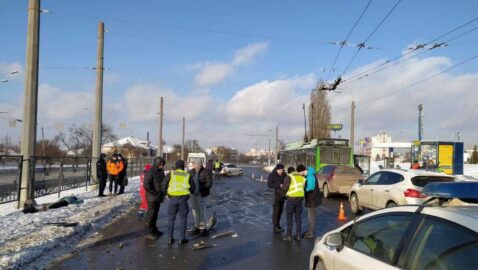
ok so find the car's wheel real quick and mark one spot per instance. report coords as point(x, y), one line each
point(320, 265)
point(326, 191)
point(354, 204)
point(391, 204)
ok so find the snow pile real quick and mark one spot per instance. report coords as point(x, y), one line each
point(26, 240)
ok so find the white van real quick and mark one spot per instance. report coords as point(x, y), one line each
point(196, 158)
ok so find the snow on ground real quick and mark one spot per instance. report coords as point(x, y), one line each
point(27, 243)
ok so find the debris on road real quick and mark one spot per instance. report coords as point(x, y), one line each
point(62, 224)
point(202, 245)
point(224, 234)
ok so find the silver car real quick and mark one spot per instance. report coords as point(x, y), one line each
point(392, 187)
point(229, 169)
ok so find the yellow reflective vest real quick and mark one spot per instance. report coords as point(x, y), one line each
point(179, 183)
point(296, 187)
point(217, 165)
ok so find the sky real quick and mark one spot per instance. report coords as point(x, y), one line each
point(237, 70)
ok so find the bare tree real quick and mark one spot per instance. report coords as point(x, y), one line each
point(319, 114)
point(80, 138)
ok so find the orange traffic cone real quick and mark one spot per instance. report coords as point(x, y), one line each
point(342, 212)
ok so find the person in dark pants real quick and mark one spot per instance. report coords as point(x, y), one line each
point(114, 168)
point(294, 184)
point(101, 174)
point(312, 201)
point(202, 181)
point(178, 184)
point(274, 181)
point(155, 196)
point(122, 175)
point(217, 169)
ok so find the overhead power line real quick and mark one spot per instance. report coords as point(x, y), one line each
point(419, 82)
point(348, 36)
point(362, 45)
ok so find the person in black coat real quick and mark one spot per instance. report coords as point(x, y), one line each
point(312, 201)
point(122, 175)
point(155, 196)
point(202, 179)
point(101, 174)
point(274, 181)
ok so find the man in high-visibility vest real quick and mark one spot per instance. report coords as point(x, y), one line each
point(294, 185)
point(217, 168)
point(178, 185)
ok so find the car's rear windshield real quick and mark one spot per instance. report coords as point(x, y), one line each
point(421, 181)
point(231, 166)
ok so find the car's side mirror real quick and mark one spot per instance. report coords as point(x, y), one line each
point(334, 240)
point(360, 181)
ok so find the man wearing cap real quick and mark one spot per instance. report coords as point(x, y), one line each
point(152, 184)
point(101, 174)
point(178, 185)
point(274, 181)
point(294, 185)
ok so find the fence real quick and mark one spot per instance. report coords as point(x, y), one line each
point(52, 175)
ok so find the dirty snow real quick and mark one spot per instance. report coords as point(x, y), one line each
point(27, 243)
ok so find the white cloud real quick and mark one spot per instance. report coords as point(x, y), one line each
point(56, 104)
point(247, 54)
point(142, 103)
point(214, 73)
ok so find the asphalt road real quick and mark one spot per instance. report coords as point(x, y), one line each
point(242, 205)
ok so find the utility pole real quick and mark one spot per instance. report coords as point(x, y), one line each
point(160, 144)
point(305, 123)
point(182, 145)
point(30, 101)
point(97, 131)
point(420, 122)
point(269, 153)
point(277, 144)
point(43, 141)
point(352, 127)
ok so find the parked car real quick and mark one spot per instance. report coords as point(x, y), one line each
point(429, 236)
point(229, 169)
point(337, 179)
point(391, 187)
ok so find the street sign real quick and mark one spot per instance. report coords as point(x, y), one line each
point(335, 127)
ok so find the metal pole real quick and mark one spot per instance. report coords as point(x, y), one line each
point(269, 153)
point(277, 144)
point(97, 131)
point(305, 123)
point(182, 146)
point(160, 143)
point(352, 127)
point(420, 122)
point(30, 99)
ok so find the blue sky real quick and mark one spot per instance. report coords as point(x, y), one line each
point(241, 67)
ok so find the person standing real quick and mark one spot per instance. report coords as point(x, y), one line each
point(274, 181)
point(178, 185)
point(217, 168)
point(114, 168)
point(122, 178)
point(155, 196)
point(143, 207)
point(203, 182)
point(294, 184)
point(101, 174)
point(312, 201)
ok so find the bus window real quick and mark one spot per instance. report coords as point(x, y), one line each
point(311, 158)
point(336, 156)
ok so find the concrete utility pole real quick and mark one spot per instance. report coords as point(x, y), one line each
point(420, 122)
point(97, 131)
point(182, 146)
point(269, 153)
point(352, 127)
point(160, 144)
point(31, 101)
point(305, 123)
point(277, 144)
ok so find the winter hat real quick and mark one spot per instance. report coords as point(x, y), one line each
point(301, 168)
point(290, 170)
point(279, 167)
point(147, 167)
point(179, 164)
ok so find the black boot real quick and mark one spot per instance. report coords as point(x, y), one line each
point(194, 231)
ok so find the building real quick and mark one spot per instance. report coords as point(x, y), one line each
point(381, 146)
point(130, 147)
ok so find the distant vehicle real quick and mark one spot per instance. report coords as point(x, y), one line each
point(430, 236)
point(392, 187)
point(229, 169)
point(337, 179)
point(196, 158)
point(317, 153)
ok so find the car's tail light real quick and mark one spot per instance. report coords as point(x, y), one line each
point(413, 193)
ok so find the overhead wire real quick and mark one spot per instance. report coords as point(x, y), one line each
point(346, 39)
point(370, 35)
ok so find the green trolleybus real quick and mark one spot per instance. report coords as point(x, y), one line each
point(317, 153)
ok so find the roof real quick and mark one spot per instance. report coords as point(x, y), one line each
point(133, 141)
point(413, 173)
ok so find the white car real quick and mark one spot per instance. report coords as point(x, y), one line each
point(430, 236)
point(230, 170)
point(391, 187)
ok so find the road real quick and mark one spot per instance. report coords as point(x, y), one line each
point(242, 205)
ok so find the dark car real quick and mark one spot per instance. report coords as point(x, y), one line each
point(337, 179)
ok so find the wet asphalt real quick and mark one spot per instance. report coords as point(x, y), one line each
point(241, 204)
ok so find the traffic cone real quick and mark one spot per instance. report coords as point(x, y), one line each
point(342, 212)
point(253, 176)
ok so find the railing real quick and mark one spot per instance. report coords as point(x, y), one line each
point(50, 175)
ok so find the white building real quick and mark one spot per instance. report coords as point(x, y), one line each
point(382, 146)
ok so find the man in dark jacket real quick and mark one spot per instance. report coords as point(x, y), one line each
point(101, 174)
point(202, 179)
point(122, 175)
point(274, 181)
point(155, 196)
point(312, 201)
point(179, 185)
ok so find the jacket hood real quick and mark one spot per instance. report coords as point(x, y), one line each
point(157, 161)
point(310, 170)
